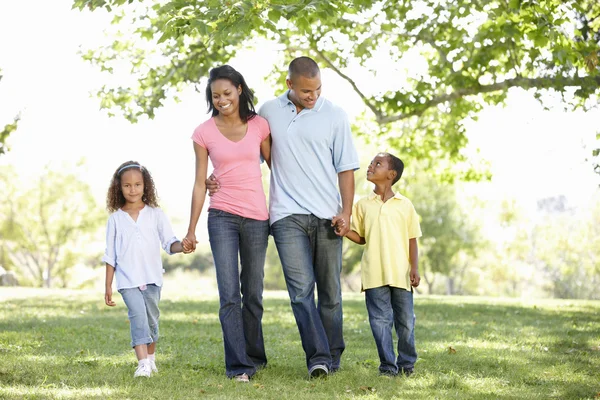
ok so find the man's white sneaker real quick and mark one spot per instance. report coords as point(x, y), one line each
point(143, 370)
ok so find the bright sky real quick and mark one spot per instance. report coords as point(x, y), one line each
point(534, 153)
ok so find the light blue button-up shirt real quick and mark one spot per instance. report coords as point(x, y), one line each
point(133, 247)
point(309, 149)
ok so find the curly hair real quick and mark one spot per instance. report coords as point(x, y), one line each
point(115, 199)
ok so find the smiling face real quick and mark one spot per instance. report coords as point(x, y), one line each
point(132, 186)
point(225, 97)
point(304, 92)
point(379, 170)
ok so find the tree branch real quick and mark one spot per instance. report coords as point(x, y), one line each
point(525, 83)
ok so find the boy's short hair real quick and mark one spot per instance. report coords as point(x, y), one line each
point(397, 165)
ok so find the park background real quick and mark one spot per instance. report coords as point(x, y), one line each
point(511, 224)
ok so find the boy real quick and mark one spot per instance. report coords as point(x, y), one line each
point(389, 226)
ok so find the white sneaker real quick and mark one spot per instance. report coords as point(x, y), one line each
point(143, 370)
point(153, 368)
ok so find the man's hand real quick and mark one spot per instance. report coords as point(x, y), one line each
point(212, 185)
point(341, 224)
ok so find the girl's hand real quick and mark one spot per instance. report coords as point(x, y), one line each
point(108, 298)
point(189, 243)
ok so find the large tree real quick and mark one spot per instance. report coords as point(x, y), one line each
point(44, 227)
point(461, 55)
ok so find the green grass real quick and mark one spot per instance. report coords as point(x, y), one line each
point(68, 345)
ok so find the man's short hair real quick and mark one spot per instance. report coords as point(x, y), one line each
point(303, 66)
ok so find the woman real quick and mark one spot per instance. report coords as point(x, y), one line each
point(238, 222)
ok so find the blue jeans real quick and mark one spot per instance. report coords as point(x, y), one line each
point(143, 313)
point(388, 305)
point(311, 253)
point(240, 315)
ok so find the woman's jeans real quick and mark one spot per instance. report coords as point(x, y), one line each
point(241, 315)
point(311, 254)
point(388, 306)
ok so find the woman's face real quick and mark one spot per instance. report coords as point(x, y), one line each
point(226, 97)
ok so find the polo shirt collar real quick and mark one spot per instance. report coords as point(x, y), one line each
point(373, 196)
point(284, 100)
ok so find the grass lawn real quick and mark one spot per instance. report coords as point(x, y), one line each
point(59, 344)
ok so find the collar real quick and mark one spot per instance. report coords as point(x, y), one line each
point(284, 101)
point(375, 196)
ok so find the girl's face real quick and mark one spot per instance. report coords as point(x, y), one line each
point(226, 97)
point(132, 186)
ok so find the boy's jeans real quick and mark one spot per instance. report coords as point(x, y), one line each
point(240, 315)
point(310, 252)
point(388, 305)
point(143, 313)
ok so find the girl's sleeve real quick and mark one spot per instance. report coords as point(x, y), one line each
point(110, 253)
point(165, 231)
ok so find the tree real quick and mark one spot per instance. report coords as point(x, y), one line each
point(44, 226)
point(7, 130)
point(446, 59)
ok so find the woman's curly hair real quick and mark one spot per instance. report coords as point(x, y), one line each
point(115, 199)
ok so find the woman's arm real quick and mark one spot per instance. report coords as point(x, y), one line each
point(198, 195)
point(265, 150)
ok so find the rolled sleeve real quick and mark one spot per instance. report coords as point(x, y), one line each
point(110, 253)
point(165, 232)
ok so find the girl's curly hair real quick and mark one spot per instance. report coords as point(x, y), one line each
point(115, 198)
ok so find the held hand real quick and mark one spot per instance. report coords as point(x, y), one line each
point(341, 224)
point(212, 185)
point(415, 279)
point(189, 243)
point(108, 298)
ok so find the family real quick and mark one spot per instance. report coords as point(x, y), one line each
point(306, 142)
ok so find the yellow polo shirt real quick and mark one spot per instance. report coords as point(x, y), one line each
point(387, 228)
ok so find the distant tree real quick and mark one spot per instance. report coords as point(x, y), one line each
point(43, 224)
point(7, 130)
point(446, 60)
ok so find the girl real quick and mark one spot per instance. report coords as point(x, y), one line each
point(135, 230)
point(238, 222)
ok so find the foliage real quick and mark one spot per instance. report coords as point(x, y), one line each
point(199, 261)
point(7, 130)
point(441, 61)
point(44, 224)
point(61, 344)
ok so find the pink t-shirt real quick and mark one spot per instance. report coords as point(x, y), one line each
point(237, 168)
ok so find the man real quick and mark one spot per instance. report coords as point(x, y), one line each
point(312, 153)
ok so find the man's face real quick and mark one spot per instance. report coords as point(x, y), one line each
point(304, 92)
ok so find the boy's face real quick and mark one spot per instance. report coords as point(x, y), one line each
point(379, 170)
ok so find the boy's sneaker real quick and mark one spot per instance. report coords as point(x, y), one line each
point(242, 378)
point(153, 368)
point(408, 371)
point(318, 371)
point(387, 372)
point(144, 370)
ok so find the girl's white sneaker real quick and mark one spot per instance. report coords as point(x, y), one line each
point(143, 370)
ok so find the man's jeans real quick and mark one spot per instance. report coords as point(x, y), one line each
point(310, 252)
point(240, 315)
point(388, 305)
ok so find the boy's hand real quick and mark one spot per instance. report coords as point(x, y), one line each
point(341, 224)
point(415, 279)
point(108, 298)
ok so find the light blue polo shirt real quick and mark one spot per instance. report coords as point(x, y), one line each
point(309, 149)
